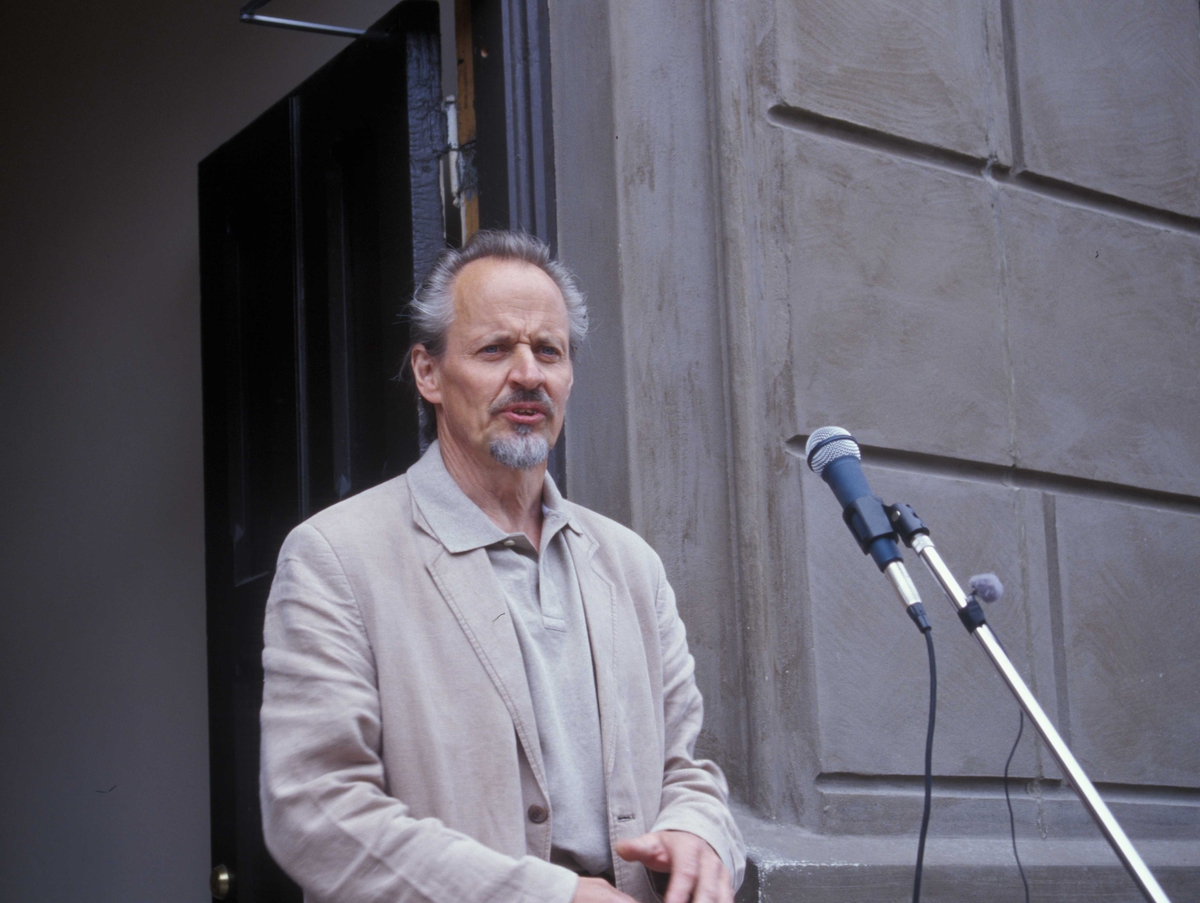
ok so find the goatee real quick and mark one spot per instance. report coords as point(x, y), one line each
point(522, 451)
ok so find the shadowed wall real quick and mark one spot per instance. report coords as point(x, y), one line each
point(106, 110)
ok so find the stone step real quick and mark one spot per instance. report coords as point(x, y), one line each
point(787, 863)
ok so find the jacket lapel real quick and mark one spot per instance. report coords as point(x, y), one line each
point(599, 595)
point(600, 610)
point(470, 588)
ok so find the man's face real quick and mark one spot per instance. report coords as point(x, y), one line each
point(502, 384)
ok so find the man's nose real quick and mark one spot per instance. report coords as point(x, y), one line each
point(526, 368)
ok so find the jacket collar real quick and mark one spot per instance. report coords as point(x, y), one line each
point(457, 522)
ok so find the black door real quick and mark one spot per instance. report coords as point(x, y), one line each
point(314, 221)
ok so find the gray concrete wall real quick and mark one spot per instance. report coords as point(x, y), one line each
point(968, 232)
point(106, 110)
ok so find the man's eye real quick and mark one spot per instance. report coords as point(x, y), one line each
point(491, 349)
point(551, 351)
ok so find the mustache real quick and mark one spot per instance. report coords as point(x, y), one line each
point(527, 396)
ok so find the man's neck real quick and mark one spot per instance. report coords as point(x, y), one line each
point(511, 498)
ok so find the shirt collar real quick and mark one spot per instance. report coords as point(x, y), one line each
point(457, 522)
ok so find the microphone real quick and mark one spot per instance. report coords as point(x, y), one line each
point(834, 456)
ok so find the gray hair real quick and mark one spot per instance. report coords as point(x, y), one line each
point(431, 310)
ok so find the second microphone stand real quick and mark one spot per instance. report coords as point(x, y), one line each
point(916, 536)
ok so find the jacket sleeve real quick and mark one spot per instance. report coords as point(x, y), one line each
point(327, 817)
point(695, 796)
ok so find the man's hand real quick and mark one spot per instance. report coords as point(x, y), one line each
point(697, 872)
point(597, 890)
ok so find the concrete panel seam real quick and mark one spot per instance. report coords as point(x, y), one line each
point(1015, 477)
point(1027, 592)
point(987, 786)
point(1099, 202)
point(1057, 627)
point(1002, 244)
point(1012, 84)
point(811, 123)
point(713, 93)
point(1000, 141)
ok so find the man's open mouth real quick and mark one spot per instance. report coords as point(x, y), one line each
point(525, 413)
point(534, 407)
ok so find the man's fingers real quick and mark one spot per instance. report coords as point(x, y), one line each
point(648, 849)
point(726, 881)
point(697, 872)
point(706, 886)
point(597, 890)
point(713, 884)
point(685, 870)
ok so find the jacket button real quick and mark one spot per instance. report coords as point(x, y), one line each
point(537, 814)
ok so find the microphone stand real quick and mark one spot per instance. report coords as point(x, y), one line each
point(916, 536)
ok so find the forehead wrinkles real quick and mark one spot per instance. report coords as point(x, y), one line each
point(517, 325)
point(508, 296)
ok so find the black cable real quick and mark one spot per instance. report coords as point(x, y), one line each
point(928, 767)
point(1012, 822)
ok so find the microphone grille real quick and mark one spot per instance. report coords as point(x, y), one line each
point(828, 444)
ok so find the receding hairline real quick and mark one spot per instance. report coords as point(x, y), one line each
point(456, 281)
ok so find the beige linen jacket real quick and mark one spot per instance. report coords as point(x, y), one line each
point(400, 758)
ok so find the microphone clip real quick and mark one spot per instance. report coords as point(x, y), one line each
point(905, 522)
point(869, 523)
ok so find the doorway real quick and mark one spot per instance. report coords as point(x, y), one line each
point(316, 221)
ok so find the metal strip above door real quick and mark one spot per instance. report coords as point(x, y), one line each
point(249, 14)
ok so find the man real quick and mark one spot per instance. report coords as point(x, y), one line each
point(474, 689)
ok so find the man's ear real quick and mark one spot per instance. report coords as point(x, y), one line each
point(427, 374)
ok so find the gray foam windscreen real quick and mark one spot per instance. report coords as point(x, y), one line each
point(986, 587)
